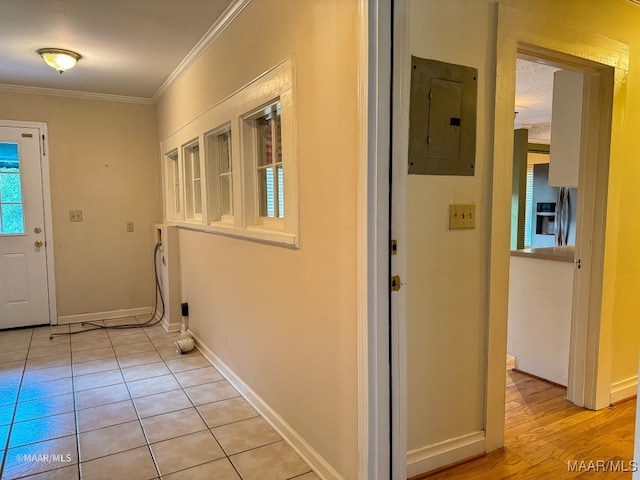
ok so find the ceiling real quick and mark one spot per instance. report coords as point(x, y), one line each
point(534, 92)
point(128, 47)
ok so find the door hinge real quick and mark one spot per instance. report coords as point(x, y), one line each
point(43, 152)
point(578, 263)
point(395, 283)
point(394, 247)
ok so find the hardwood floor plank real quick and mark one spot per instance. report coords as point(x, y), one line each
point(545, 434)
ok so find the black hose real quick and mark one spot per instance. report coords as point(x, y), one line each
point(149, 323)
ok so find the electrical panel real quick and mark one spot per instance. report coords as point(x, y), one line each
point(442, 118)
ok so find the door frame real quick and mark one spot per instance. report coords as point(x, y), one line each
point(373, 297)
point(41, 128)
point(591, 343)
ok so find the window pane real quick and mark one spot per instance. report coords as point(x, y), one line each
point(11, 214)
point(176, 199)
point(174, 182)
point(225, 195)
point(224, 157)
point(528, 206)
point(10, 190)
point(280, 192)
point(278, 135)
point(266, 192)
point(12, 219)
point(197, 194)
point(9, 157)
point(196, 161)
point(265, 156)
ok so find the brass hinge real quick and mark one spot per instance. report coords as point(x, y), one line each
point(394, 247)
point(395, 283)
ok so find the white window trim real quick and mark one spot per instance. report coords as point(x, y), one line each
point(270, 87)
point(172, 165)
point(189, 184)
point(213, 175)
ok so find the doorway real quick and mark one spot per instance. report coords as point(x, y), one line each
point(26, 255)
point(554, 42)
point(548, 105)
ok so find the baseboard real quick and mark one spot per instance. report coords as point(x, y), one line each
point(168, 327)
point(445, 453)
point(93, 317)
point(623, 390)
point(319, 465)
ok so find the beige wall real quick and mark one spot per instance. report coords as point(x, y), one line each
point(103, 160)
point(448, 270)
point(284, 320)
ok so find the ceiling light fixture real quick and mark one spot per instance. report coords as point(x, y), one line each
point(58, 58)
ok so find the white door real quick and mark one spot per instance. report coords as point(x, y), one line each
point(24, 296)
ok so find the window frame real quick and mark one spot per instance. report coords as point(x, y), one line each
point(214, 175)
point(173, 203)
point(276, 162)
point(233, 113)
point(192, 165)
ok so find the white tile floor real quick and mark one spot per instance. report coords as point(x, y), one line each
point(123, 404)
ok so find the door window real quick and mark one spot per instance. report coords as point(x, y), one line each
point(11, 211)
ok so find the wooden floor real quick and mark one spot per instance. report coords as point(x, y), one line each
point(544, 432)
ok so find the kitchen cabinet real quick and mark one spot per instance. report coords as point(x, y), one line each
point(566, 126)
point(540, 304)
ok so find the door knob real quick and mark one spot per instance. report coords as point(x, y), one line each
point(37, 230)
point(38, 243)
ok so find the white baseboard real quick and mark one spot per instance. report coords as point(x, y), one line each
point(169, 327)
point(319, 465)
point(445, 453)
point(92, 317)
point(622, 390)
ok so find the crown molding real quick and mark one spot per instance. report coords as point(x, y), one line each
point(55, 92)
point(216, 29)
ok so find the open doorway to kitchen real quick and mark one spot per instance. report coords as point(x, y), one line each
point(548, 104)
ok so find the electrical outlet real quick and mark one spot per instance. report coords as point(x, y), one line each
point(75, 215)
point(462, 215)
point(129, 226)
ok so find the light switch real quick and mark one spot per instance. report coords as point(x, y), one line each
point(462, 215)
point(129, 226)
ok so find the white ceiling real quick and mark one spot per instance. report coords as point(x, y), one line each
point(128, 47)
point(534, 92)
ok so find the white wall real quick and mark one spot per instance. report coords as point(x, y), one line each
point(447, 315)
point(447, 270)
point(103, 161)
point(284, 320)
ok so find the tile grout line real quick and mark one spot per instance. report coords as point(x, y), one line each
point(15, 410)
point(193, 405)
point(210, 430)
point(166, 362)
point(75, 407)
point(135, 407)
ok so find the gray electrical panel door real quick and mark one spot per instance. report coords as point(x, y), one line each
point(442, 118)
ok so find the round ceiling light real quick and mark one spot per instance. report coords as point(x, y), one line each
point(59, 59)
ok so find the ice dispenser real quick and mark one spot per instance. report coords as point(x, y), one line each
point(545, 218)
